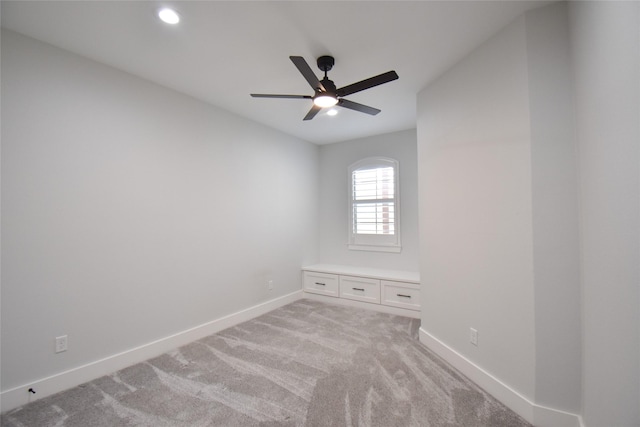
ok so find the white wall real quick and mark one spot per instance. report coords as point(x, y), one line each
point(474, 162)
point(605, 40)
point(131, 212)
point(529, 155)
point(554, 195)
point(334, 200)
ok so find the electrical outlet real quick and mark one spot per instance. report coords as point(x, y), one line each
point(61, 344)
point(473, 336)
point(270, 284)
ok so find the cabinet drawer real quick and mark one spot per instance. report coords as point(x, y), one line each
point(321, 283)
point(400, 294)
point(360, 289)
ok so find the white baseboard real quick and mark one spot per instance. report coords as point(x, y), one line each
point(549, 417)
point(538, 415)
point(366, 305)
point(20, 395)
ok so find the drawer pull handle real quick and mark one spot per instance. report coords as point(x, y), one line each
point(358, 289)
point(404, 296)
point(321, 284)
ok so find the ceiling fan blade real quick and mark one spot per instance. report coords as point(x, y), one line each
point(368, 83)
point(358, 107)
point(312, 113)
point(307, 73)
point(266, 95)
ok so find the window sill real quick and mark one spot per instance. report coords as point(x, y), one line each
point(371, 248)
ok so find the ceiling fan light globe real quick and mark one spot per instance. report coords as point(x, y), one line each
point(169, 16)
point(324, 101)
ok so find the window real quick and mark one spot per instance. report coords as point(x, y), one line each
point(374, 207)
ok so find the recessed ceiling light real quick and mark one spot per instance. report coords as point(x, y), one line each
point(332, 112)
point(169, 16)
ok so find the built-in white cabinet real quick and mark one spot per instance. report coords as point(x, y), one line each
point(322, 283)
point(398, 291)
point(360, 289)
point(400, 294)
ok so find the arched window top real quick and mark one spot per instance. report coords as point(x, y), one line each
point(374, 208)
point(373, 162)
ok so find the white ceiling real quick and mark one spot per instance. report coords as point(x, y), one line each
point(223, 50)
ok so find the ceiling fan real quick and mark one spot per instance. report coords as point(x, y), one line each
point(326, 94)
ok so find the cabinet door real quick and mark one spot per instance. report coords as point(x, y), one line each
point(401, 294)
point(321, 283)
point(360, 289)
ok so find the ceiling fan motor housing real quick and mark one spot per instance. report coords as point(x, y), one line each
point(329, 86)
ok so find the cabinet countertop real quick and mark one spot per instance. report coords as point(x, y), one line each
point(374, 273)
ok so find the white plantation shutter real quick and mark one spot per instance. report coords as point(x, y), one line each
point(374, 205)
point(373, 201)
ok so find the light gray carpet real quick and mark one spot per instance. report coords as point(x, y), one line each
point(305, 364)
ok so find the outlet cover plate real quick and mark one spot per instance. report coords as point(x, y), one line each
point(473, 336)
point(61, 344)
